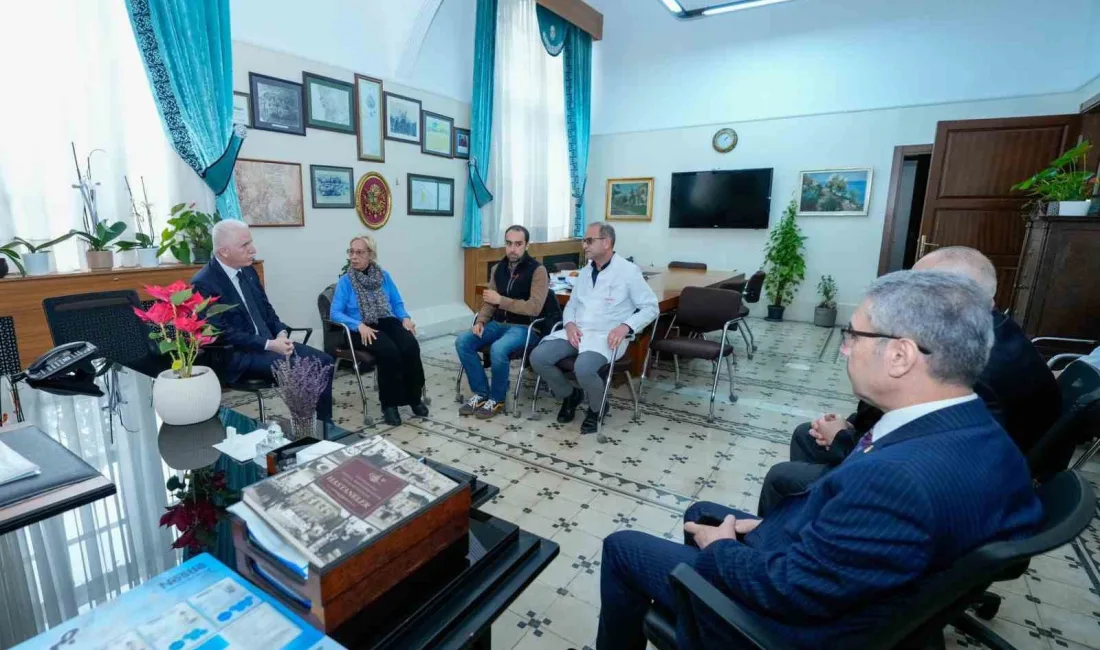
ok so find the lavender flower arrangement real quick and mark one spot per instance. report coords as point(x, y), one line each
point(301, 381)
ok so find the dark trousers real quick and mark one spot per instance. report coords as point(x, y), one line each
point(258, 364)
point(396, 353)
point(635, 572)
point(809, 462)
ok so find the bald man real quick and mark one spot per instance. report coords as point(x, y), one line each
point(1016, 386)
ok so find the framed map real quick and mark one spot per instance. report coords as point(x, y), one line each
point(270, 193)
point(431, 196)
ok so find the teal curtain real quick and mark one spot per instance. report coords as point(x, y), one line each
point(187, 51)
point(481, 121)
point(553, 29)
point(578, 116)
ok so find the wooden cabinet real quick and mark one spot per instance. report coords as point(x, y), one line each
point(1058, 289)
point(21, 297)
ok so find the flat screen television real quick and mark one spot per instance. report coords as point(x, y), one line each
point(739, 198)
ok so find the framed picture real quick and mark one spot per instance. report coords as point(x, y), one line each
point(276, 105)
point(330, 103)
point(438, 135)
point(431, 196)
point(373, 200)
point(402, 118)
point(331, 187)
point(242, 111)
point(629, 199)
point(270, 192)
point(834, 192)
point(368, 118)
point(462, 143)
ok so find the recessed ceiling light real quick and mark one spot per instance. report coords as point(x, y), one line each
point(673, 6)
point(737, 6)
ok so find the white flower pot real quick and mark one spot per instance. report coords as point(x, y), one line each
point(37, 263)
point(1073, 208)
point(128, 258)
point(148, 258)
point(187, 401)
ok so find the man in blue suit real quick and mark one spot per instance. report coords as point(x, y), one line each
point(935, 478)
point(258, 337)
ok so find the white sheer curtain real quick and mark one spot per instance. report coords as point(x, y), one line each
point(73, 74)
point(529, 168)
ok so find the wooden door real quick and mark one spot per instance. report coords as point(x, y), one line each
point(968, 201)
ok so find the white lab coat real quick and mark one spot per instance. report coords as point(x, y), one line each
point(619, 296)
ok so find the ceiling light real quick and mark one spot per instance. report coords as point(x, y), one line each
point(737, 6)
point(673, 6)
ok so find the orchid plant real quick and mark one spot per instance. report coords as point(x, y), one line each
point(179, 318)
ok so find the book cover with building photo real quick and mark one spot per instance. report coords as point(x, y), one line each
point(333, 506)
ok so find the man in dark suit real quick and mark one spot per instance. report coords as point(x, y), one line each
point(257, 336)
point(1016, 385)
point(935, 478)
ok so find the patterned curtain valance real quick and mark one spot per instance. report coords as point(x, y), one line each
point(553, 29)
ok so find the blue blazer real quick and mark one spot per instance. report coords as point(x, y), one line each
point(848, 553)
point(235, 324)
point(345, 304)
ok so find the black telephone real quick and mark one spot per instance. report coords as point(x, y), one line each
point(64, 370)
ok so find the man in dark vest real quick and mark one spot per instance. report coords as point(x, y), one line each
point(517, 294)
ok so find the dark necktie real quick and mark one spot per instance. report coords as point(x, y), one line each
point(253, 305)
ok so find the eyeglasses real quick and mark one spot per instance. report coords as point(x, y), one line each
point(851, 334)
point(353, 253)
point(588, 241)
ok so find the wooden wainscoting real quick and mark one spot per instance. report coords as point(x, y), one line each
point(478, 261)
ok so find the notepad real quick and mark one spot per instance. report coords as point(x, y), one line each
point(14, 467)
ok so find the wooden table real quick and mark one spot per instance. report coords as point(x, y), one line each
point(668, 284)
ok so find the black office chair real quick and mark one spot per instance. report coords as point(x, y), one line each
point(1079, 422)
point(1058, 361)
point(9, 361)
point(1068, 506)
point(750, 296)
point(337, 343)
point(520, 353)
point(694, 266)
point(107, 321)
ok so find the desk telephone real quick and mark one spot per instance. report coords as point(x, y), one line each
point(64, 370)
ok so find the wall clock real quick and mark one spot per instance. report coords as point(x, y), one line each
point(373, 200)
point(725, 140)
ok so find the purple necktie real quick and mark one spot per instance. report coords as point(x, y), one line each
point(864, 442)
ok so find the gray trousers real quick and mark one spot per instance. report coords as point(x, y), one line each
point(587, 369)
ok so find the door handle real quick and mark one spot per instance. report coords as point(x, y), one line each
point(923, 245)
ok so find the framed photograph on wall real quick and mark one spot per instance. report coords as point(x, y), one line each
point(330, 103)
point(368, 118)
point(438, 135)
point(331, 187)
point(431, 196)
point(462, 143)
point(629, 199)
point(402, 116)
point(276, 105)
point(270, 192)
point(242, 111)
point(834, 193)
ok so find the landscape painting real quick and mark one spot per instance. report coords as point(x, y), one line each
point(629, 199)
point(834, 192)
point(402, 119)
point(331, 186)
point(270, 193)
point(276, 104)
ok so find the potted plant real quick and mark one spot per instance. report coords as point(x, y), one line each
point(141, 251)
point(201, 499)
point(1067, 182)
point(784, 262)
point(146, 251)
point(188, 234)
point(825, 314)
point(8, 251)
point(186, 393)
point(301, 380)
point(37, 258)
point(100, 256)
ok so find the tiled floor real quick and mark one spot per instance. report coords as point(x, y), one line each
point(575, 491)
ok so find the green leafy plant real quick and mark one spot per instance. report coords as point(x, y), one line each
point(101, 237)
point(188, 232)
point(8, 251)
point(141, 240)
point(827, 288)
point(784, 260)
point(40, 248)
point(1066, 179)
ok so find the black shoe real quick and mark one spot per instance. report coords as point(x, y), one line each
point(390, 416)
point(419, 410)
point(569, 406)
point(591, 422)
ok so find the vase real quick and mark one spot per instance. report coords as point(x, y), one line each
point(3, 267)
point(37, 263)
point(148, 258)
point(200, 255)
point(303, 426)
point(128, 258)
point(189, 400)
point(1073, 208)
point(824, 316)
point(775, 312)
point(100, 260)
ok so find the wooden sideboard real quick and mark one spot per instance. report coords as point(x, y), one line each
point(21, 297)
point(477, 263)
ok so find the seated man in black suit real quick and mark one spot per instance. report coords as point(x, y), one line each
point(1016, 386)
point(257, 336)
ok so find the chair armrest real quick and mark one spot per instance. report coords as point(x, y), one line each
point(1061, 339)
point(1070, 356)
point(689, 588)
point(557, 326)
point(307, 330)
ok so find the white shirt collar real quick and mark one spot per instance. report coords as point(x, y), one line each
point(894, 420)
point(229, 270)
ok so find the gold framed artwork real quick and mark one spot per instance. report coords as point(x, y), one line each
point(629, 199)
point(373, 200)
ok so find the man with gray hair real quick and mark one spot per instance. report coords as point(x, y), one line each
point(1016, 385)
point(935, 478)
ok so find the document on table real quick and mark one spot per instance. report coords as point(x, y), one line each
point(243, 447)
point(14, 467)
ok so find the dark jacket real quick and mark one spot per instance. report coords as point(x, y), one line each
point(514, 286)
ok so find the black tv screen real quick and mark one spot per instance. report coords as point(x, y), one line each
point(739, 198)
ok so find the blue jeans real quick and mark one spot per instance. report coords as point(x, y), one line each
point(504, 339)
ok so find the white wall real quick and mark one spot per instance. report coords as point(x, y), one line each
point(846, 247)
point(422, 253)
point(1089, 90)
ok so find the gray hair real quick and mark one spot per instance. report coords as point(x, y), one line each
point(947, 313)
point(968, 262)
point(606, 230)
point(223, 229)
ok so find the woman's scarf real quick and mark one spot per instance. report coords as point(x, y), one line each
point(374, 304)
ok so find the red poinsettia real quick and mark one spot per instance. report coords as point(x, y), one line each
point(202, 496)
point(180, 317)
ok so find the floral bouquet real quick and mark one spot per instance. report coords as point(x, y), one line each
point(179, 315)
point(301, 381)
point(202, 495)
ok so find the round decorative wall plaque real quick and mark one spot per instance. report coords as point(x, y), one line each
point(725, 140)
point(373, 200)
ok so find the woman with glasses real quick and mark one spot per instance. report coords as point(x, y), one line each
point(367, 301)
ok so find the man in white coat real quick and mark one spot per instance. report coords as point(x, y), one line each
point(610, 301)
